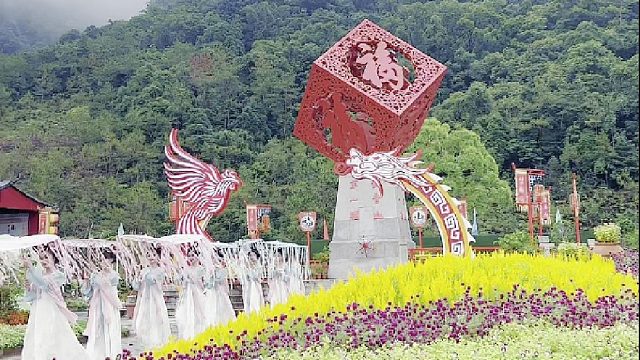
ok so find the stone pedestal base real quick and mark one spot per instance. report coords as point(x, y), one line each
point(606, 250)
point(364, 217)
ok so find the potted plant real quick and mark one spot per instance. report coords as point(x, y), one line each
point(607, 239)
point(320, 264)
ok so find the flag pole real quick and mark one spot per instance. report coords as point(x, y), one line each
point(530, 209)
point(576, 208)
point(308, 245)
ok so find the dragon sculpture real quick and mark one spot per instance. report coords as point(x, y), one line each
point(403, 171)
point(202, 187)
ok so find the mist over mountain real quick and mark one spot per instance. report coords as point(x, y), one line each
point(27, 24)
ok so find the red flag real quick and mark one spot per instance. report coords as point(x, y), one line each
point(326, 230)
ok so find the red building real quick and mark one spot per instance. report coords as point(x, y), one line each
point(22, 214)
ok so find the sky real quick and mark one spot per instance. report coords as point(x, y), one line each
point(63, 15)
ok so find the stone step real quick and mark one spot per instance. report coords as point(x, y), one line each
point(235, 294)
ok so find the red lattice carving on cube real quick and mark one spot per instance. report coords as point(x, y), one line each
point(360, 95)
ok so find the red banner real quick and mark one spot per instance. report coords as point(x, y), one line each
point(522, 186)
point(43, 222)
point(463, 208)
point(258, 218)
point(252, 218)
point(545, 207)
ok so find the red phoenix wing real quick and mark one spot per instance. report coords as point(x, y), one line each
point(191, 179)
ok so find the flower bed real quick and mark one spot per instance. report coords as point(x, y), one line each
point(435, 300)
point(536, 340)
point(15, 317)
point(627, 262)
point(424, 324)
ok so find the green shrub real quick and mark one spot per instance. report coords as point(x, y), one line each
point(607, 233)
point(322, 256)
point(11, 336)
point(630, 239)
point(79, 328)
point(518, 242)
point(573, 250)
point(9, 295)
point(124, 290)
point(564, 231)
point(77, 304)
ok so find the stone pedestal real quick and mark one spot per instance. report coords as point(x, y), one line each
point(362, 214)
point(606, 249)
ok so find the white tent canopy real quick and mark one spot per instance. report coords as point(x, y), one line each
point(15, 243)
point(12, 248)
point(78, 257)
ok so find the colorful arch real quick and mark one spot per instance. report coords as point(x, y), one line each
point(452, 225)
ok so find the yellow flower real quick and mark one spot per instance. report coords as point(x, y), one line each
point(436, 278)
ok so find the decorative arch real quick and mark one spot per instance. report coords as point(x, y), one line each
point(452, 225)
point(402, 171)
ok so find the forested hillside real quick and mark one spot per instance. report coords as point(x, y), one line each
point(548, 84)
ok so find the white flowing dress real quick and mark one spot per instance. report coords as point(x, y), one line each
point(296, 279)
point(219, 307)
point(191, 316)
point(278, 286)
point(252, 296)
point(49, 334)
point(151, 318)
point(103, 326)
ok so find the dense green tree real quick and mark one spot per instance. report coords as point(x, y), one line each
point(549, 84)
point(466, 166)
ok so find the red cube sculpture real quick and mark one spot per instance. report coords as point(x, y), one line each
point(370, 91)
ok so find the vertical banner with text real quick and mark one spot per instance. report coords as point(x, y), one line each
point(522, 189)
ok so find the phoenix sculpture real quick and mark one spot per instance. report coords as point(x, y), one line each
point(204, 190)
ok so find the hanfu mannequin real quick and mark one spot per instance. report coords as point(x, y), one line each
point(151, 318)
point(279, 282)
point(296, 278)
point(103, 326)
point(49, 334)
point(191, 312)
point(217, 296)
point(252, 295)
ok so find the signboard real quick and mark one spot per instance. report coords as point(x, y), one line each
point(418, 216)
point(258, 218)
point(307, 221)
